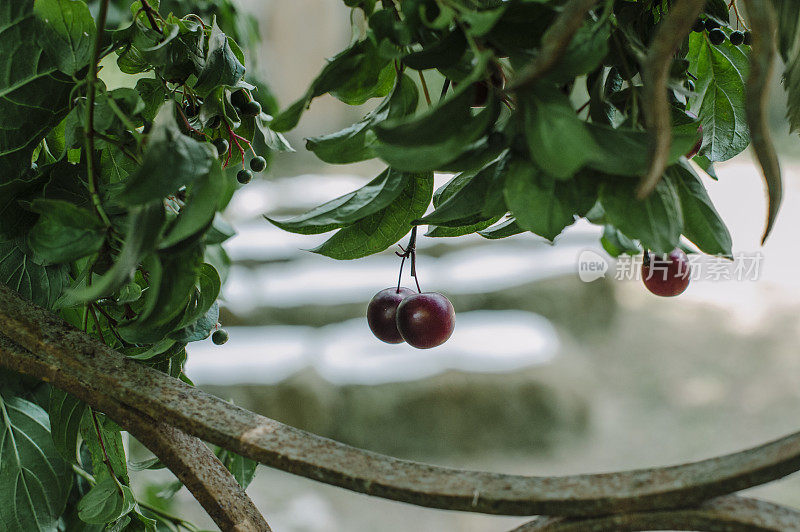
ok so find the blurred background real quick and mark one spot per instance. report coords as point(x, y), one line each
point(545, 374)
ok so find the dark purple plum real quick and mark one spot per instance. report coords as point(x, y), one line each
point(666, 276)
point(382, 311)
point(426, 320)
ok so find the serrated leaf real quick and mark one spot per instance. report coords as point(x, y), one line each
point(67, 34)
point(656, 221)
point(347, 209)
point(34, 480)
point(66, 412)
point(19, 271)
point(702, 223)
point(171, 160)
point(383, 228)
point(543, 205)
point(33, 97)
point(111, 446)
point(719, 97)
point(64, 232)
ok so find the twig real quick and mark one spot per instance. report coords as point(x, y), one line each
point(91, 168)
point(424, 87)
point(187, 457)
point(79, 364)
point(655, 75)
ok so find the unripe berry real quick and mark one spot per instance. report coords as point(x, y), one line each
point(258, 164)
point(221, 145)
point(737, 38)
point(244, 176)
point(219, 337)
point(716, 36)
point(252, 108)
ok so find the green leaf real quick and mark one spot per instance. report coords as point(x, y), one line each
point(19, 271)
point(202, 313)
point(172, 160)
point(243, 469)
point(222, 67)
point(558, 140)
point(584, 53)
point(615, 243)
point(153, 94)
point(383, 228)
point(144, 225)
point(436, 137)
point(443, 53)
point(64, 232)
point(112, 443)
point(66, 412)
point(543, 205)
point(719, 96)
point(14, 218)
point(107, 501)
point(702, 223)
point(351, 72)
point(655, 221)
point(347, 209)
point(373, 79)
point(504, 229)
point(33, 98)
point(470, 198)
point(436, 231)
point(202, 203)
point(34, 480)
point(67, 33)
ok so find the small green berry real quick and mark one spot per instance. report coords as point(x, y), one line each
point(220, 336)
point(748, 38)
point(222, 146)
point(716, 36)
point(698, 26)
point(258, 164)
point(190, 110)
point(251, 109)
point(244, 176)
point(240, 98)
point(737, 38)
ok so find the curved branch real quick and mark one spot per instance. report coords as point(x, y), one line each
point(186, 456)
point(761, 16)
point(724, 514)
point(655, 74)
point(59, 352)
point(555, 42)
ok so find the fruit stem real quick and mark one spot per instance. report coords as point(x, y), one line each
point(409, 251)
point(424, 87)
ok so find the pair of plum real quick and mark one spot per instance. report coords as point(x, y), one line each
point(423, 320)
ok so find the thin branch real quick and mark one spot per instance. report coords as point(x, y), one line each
point(67, 357)
point(187, 457)
point(91, 166)
point(730, 513)
point(554, 42)
point(762, 60)
point(655, 74)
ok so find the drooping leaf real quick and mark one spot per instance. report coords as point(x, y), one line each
point(34, 480)
point(656, 221)
point(504, 229)
point(111, 446)
point(615, 243)
point(172, 160)
point(544, 205)
point(702, 223)
point(380, 230)
point(202, 203)
point(350, 208)
point(222, 67)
